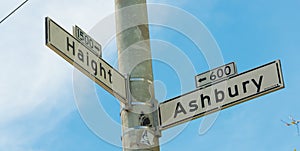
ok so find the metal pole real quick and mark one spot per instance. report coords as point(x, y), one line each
point(139, 117)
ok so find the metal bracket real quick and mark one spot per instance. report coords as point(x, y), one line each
point(128, 104)
point(157, 132)
point(140, 137)
point(157, 127)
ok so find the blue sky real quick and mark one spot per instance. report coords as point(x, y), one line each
point(38, 110)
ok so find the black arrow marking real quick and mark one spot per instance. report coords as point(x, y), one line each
point(97, 48)
point(202, 79)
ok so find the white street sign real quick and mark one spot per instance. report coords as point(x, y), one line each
point(235, 90)
point(88, 41)
point(216, 75)
point(65, 45)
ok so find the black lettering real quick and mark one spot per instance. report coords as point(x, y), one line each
point(203, 98)
point(179, 109)
point(220, 73)
point(71, 46)
point(80, 55)
point(236, 91)
point(87, 59)
point(193, 105)
point(258, 85)
point(94, 66)
point(217, 94)
point(81, 36)
point(110, 76)
point(227, 70)
point(102, 71)
point(245, 86)
point(87, 40)
point(91, 43)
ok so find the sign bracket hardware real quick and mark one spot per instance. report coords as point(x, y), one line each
point(128, 103)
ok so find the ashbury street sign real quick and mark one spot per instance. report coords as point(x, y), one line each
point(78, 55)
point(235, 90)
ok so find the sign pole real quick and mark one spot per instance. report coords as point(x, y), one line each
point(143, 118)
point(140, 115)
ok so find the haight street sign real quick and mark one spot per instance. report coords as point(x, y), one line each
point(235, 90)
point(68, 47)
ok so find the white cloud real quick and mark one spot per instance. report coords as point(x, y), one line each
point(35, 83)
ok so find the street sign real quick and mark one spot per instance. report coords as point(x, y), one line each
point(224, 94)
point(78, 55)
point(88, 41)
point(215, 75)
